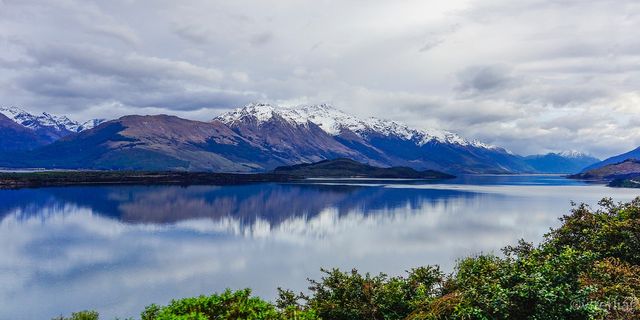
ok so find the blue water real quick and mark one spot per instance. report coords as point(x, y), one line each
point(116, 249)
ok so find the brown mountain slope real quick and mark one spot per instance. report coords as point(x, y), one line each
point(158, 142)
point(16, 137)
point(613, 171)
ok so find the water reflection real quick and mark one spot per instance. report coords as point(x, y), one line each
point(116, 249)
point(273, 203)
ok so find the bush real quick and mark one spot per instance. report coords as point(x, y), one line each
point(82, 315)
point(228, 305)
point(341, 295)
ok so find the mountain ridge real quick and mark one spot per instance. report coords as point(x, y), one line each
point(561, 162)
point(259, 138)
point(14, 137)
point(617, 172)
point(381, 142)
point(333, 121)
point(633, 154)
point(49, 126)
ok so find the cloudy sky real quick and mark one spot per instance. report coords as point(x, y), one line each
point(530, 75)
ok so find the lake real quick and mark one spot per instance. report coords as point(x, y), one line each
point(116, 249)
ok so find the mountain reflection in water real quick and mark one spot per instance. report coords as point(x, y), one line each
point(273, 203)
point(118, 248)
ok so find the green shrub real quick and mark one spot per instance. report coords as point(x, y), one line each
point(228, 305)
point(82, 315)
point(350, 295)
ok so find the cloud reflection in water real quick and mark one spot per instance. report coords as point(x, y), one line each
point(117, 249)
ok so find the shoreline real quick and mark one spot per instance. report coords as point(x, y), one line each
point(38, 179)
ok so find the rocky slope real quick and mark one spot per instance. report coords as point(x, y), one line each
point(376, 141)
point(151, 143)
point(255, 138)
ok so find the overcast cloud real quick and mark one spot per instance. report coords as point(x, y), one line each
point(530, 75)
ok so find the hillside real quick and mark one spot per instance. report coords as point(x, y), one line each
point(255, 138)
point(341, 168)
point(633, 154)
point(48, 127)
point(15, 137)
point(622, 170)
point(149, 143)
point(376, 141)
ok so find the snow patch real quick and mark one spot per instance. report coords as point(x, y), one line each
point(47, 120)
point(573, 154)
point(333, 121)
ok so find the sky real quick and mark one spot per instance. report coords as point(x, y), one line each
point(532, 76)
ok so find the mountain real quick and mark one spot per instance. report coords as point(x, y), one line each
point(158, 142)
point(47, 126)
point(16, 137)
point(316, 132)
point(625, 174)
point(622, 170)
point(343, 167)
point(562, 162)
point(255, 138)
point(633, 154)
point(287, 140)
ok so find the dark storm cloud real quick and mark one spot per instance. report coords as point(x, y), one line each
point(531, 75)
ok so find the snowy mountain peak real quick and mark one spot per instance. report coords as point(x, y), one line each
point(46, 120)
point(574, 154)
point(333, 121)
point(90, 124)
point(19, 116)
point(260, 111)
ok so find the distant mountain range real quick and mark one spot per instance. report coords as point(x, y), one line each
point(314, 133)
point(563, 162)
point(41, 129)
point(258, 137)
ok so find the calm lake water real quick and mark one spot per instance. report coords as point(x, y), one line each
point(117, 249)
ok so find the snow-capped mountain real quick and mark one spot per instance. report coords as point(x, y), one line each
point(561, 162)
point(574, 154)
point(285, 135)
point(47, 120)
point(90, 124)
point(48, 125)
point(334, 121)
point(14, 137)
point(257, 137)
point(377, 141)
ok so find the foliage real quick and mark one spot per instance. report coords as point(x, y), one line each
point(228, 305)
point(588, 268)
point(341, 295)
point(82, 315)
